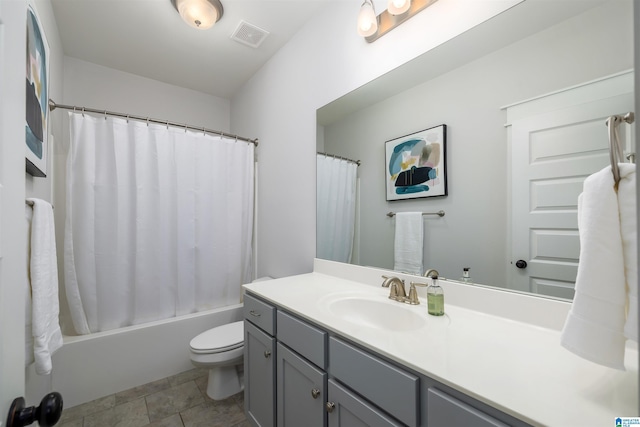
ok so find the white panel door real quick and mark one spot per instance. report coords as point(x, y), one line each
point(12, 211)
point(552, 154)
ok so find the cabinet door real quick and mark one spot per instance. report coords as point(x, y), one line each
point(347, 409)
point(301, 391)
point(259, 368)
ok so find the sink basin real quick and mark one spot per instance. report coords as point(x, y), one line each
point(376, 312)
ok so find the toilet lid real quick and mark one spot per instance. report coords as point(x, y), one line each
point(221, 338)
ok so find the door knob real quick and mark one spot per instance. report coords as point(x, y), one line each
point(47, 414)
point(521, 263)
point(330, 406)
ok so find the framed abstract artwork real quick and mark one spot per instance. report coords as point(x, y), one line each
point(416, 164)
point(37, 114)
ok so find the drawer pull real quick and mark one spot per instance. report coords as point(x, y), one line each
point(315, 393)
point(267, 354)
point(330, 406)
point(254, 313)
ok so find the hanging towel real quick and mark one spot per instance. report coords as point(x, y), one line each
point(628, 231)
point(408, 243)
point(43, 272)
point(607, 271)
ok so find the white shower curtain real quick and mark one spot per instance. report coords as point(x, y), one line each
point(159, 222)
point(335, 208)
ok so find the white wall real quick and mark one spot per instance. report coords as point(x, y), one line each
point(474, 231)
point(325, 60)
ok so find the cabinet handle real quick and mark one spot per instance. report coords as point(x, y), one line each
point(254, 313)
point(315, 393)
point(267, 354)
point(330, 406)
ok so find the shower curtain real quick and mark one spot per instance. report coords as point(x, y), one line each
point(159, 222)
point(335, 208)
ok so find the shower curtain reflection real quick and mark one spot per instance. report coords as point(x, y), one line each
point(159, 222)
point(335, 207)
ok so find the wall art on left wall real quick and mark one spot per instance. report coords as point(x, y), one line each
point(37, 112)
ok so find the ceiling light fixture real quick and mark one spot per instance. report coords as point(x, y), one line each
point(200, 14)
point(398, 11)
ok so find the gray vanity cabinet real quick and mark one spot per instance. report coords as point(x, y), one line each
point(259, 363)
point(347, 409)
point(297, 374)
point(301, 391)
point(301, 373)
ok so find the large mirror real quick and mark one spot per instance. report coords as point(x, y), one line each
point(535, 48)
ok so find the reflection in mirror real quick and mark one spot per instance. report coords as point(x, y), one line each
point(465, 83)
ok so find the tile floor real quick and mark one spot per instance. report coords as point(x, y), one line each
point(177, 401)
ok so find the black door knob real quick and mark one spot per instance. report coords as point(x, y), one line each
point(47, 414)
point(521, 263)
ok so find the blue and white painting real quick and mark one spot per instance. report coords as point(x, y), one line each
point(37, 95)
point(416, 165)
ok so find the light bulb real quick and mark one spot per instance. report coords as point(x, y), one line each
point(398, 7)
point(199, 14)
point(367, 21)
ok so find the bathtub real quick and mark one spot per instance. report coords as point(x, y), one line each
point(88, 367)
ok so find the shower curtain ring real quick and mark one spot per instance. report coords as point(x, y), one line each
point(204, 131)
point(105, 114)
point(82, 111)
point(167, 124)
point(185, 128)
point(221, 135)
point(147, 121)
point(127, 118)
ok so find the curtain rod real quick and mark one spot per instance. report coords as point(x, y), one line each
point(53, 106)
point(357, 162)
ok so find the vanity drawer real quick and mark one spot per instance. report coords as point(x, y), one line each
point(308, 341)
point(260, 313)
point(444, 410)
point(383, 384)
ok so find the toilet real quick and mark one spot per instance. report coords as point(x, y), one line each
point(221, 349)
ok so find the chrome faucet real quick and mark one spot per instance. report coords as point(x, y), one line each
point(431, 272)
point(397, 291)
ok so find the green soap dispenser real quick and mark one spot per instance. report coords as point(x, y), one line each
point(435, 298)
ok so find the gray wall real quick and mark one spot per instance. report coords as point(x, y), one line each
point(474, 231)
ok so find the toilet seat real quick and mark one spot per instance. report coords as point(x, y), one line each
point(219, 339)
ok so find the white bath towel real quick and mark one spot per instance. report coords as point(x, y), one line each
point(408, 243)
point(595, 326)
point(43, 272)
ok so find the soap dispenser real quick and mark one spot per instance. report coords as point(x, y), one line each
point(435, 298)
point(466, 276)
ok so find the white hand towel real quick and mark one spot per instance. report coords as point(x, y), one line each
point(408, 243)
point(594, 328)
point(44, 286)
point(628, 231)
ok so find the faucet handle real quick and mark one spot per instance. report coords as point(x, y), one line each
point(413, 294)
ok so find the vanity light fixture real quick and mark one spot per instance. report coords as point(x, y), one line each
point(398, 7)
point(367, 22)
point(398, 11)
point(200, 14)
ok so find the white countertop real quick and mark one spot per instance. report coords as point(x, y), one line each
point(517, 367)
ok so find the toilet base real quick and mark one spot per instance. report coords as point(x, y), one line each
point(223, 382)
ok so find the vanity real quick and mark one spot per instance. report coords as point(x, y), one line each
point(329, 348)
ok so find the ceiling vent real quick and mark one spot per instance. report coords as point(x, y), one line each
point(249, 34)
